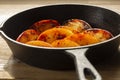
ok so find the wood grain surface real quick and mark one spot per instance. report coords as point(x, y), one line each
point(13, 69)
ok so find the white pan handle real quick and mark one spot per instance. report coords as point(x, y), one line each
point(83, 64)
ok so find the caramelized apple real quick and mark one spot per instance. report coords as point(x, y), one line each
point(100, 34)
point(43, 25)
point(64, 43)
point(27, 35)
point(53, 34)
point(74, 32)
point(82, 39)
point(39, 43)
point(77, 25)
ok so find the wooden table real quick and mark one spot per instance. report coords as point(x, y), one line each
point(13, 69)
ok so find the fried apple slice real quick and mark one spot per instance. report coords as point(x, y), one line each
point(27, 35)
point(69, 28)
point(100, 34)
point(83, 39)
point(43, 25)
point(64, 43)
point(53, 34)
point(39, 43)
point(76, 25)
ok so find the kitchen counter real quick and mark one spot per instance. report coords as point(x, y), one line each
point(13, 69)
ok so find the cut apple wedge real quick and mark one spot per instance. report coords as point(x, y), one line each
point(53, 34)
point(43, 25)
point(100, 34)
point(27, 35)
point(82, 39)
point(64, 43)
point(39, 43)
point(76, 25)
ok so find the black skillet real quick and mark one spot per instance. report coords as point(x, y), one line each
point(62, 58)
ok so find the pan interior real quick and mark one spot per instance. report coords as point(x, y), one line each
point(95, 16)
